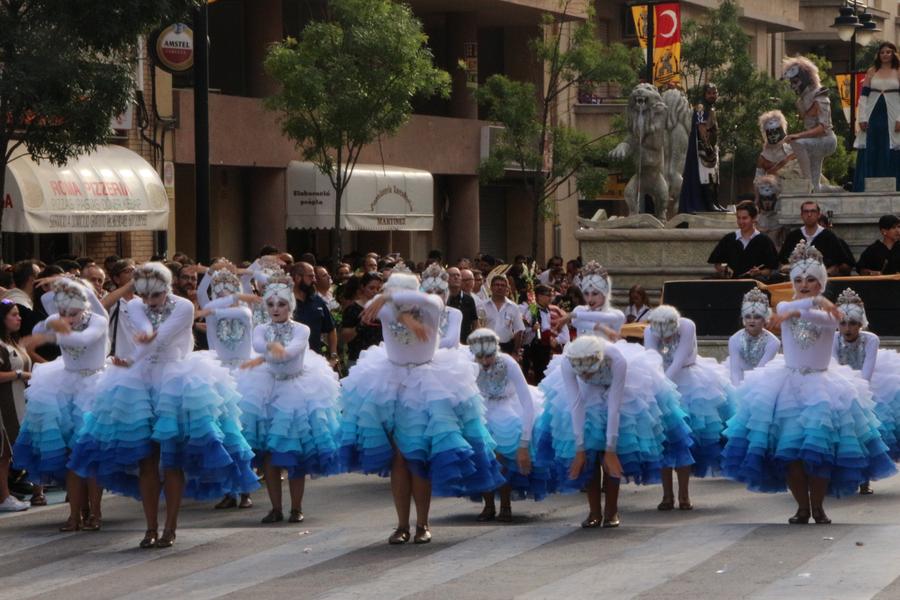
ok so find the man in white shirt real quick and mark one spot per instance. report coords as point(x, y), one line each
point(503, 316)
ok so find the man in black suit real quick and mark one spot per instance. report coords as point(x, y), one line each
point(835, 253)
point(883, 256)
point(464, 302)
point(747, 252)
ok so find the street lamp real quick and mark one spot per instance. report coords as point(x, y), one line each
point(856, 28)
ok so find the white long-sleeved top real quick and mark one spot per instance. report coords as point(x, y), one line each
point(450, 326)
point(295, 339)
point(587, 321)
point(746, 352)
point(679, 351)
point(48, 301)
point(172, 324)
point(859, 355)
point(229, 329)
point(807, 340)
point(401, 344)
point(504, 379)
point(121, 327)
point(84, 349)
point(585, 392)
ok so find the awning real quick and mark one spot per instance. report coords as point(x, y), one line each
point(110, 189)
point(376, 199)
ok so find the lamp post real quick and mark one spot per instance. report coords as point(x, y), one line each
point(857, 28)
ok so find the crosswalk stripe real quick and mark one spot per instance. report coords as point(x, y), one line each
point(855, 567)
point(263, 566)
point(646, 565)
point(83, 567)
point(457, 561)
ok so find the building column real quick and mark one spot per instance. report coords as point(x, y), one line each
point(463, 237)
point(462, 33)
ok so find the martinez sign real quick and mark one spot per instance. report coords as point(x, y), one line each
point(173, 48)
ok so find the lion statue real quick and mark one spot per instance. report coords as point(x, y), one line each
point(658, 132)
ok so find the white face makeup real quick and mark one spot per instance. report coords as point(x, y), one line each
point(753, 324)
point(72, 316)
point(594, 298)
point(486, 360)
point(279, 310)
point(154, 299)
point(807, 286)
point(850, 330)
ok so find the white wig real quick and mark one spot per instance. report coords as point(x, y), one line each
point(853, 307)
point(585, 354)
point(756, 302)
point(401, 281)
point(767, 185)
point(225, 283)
point(69, 294)
point(436, 280)
point(483, 342)
point(282, 288)
point(664, 320)
point(151, 278)
point(770, 118)
point(595, 278)
point(805, 261)
point(796, 64)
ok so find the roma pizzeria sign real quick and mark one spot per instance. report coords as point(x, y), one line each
point(173, 48)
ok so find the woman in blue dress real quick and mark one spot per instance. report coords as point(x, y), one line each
point(878, 141)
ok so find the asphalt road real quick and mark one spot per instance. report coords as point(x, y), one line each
point(734, 544)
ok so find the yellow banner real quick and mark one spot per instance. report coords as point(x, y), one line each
point(666, 41)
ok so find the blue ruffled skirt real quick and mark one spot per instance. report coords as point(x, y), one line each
point(885, 388)
point(192, 419)
point(825, 419)
point(294, 420)
point(709, 400)
point(432, 414)
point(57, 400)
point(504, 422)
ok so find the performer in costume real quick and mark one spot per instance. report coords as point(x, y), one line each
point(858, 350)
point(753, 346)
point(59, 395)
point(413, 411)
point(289, 403)
point(229, 329)
point(817, 141)
point(800, 419)
point(597, 317)
point(171, 411)
point(776, 157)
point(700, 189)
point(878, 140)
point(705, 392)
point(511, 408)
point(435, 280)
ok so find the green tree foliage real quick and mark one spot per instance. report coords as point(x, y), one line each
point(67, 70)
point(349, 79)
point(544, 152)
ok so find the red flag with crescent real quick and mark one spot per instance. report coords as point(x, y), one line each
point(667, 44)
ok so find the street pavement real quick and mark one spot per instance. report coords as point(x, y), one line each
point(734, 544)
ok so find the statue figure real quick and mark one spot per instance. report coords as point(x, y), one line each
point(655, 124)
point(817, 141)
point(701, 168)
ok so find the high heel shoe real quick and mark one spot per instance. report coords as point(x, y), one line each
point(150, 539)
point(666, 504)
point(423, 535)
point(819, 516)
point(91, 524)
point(72, 524)
point(801, 517)
point(296, 516)
point(400, 536)
point(610, 522)
point(865, 489)
point(274, 516)
point(167, 539)
point(591, 522)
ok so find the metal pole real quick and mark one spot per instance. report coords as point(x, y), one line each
point(651, 14)
point(201, 131)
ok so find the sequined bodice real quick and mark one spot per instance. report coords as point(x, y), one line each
point(75, 352)
point(667, 349)
point(852, 353)
point(158, 316)
point(401, 333)
point(230, 332)
point(260, 314)
point(752, 349)
point(805, 332)
point(492, 381)
point(444, 323)
point(282, 333)
point(603, 377)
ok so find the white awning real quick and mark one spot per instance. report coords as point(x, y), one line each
point(111, 189)
point(376, 199)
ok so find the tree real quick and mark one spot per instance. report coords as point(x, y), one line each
point(66, 69)
point(544, 151)
point(349, 79)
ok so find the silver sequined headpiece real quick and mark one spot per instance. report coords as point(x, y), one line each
point(435, 279)
point(595, 277)
point(69, 294)
point(281, 287)
point(853, 307)
point(585, 354)
point(805, 261)
point(756, 303)
point(664, 320)
point(483, 342)
point(151, 278)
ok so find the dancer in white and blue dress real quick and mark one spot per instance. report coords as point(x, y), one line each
point(706, 395)
point(753, 346)
point(597, 316)
point(601, 422)
point(171, 412)
point(511, 408)
point(289, 403)
point(59, 395)
point(802, 422)
point(435, 280)
point(229, 332)
point(414, 412)
point(859, 350)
